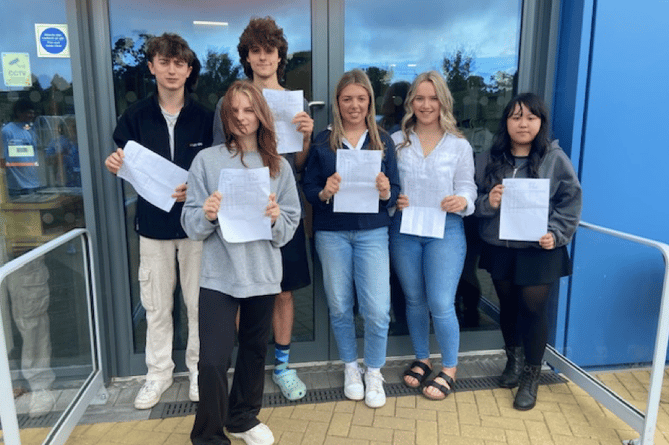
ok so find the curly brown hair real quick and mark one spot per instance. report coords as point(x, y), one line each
point(263, 32)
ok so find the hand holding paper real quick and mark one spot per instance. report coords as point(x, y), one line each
point(180, 193)
point(383, 186)
point(155, 178)
point(305, 124)
point(114, 161)
point(524, 209)
point(273, 210)
point(211, 206)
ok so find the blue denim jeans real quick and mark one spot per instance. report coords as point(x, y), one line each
point(429, 270)
point(360, 257)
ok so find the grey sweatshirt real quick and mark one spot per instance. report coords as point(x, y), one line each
point(241, 270)
point(564, 211)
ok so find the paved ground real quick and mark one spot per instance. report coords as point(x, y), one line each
point(564, 415)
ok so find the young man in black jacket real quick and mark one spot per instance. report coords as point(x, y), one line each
point(174, 126)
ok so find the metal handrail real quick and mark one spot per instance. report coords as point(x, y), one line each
point(10, 427)
point(644, 424)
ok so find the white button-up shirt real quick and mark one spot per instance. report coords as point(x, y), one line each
point(452, 160)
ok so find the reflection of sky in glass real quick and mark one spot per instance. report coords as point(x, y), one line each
point(377, 33)
point(412, 39)
point(17, 35)
point(176, 16)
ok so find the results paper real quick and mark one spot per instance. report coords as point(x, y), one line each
point(153, 177)
point(357, 191)
point(524, 209)
point(245, 195)
point(423, 216)
point(284, 106)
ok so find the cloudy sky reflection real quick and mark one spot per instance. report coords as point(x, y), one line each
point(378, 33)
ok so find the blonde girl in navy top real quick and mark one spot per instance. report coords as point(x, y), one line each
point(353, 247)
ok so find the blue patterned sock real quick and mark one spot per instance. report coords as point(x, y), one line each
point(281, 358)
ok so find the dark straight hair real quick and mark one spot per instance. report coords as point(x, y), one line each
point(501, 146)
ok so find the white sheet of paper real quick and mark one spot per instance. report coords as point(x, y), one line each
point(153, 177)
point(424, 216)
point(285, 105)
point(524, 210)
point(245, 195)
point(357, 191)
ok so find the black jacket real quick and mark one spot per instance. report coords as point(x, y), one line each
point(145, 124)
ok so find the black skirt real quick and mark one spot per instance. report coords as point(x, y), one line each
point(525, 267)
point(294, 262)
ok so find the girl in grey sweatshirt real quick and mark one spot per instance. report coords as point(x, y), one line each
point(242, 277)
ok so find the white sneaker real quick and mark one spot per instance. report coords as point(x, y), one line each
point(193, 388)
point(353, 388)
point(41, 402)
point(149, 394)
point(375, 396)
point(258, 435)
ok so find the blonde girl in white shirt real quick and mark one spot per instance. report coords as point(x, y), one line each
point(431, 151)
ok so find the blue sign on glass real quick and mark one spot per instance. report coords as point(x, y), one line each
point(53, 40)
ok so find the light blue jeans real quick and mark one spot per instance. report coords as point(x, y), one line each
point(429, 270)
point(360, 257)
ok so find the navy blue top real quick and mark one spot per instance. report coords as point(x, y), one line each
point(145, 124)
point(321, 164)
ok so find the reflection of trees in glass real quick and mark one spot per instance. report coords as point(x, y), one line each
point(133, 81)
point(380, 80)
point(218, 73)
point(477, 104)
point(298, 72)
point(132, 78)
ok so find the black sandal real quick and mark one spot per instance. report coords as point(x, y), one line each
point(420, 377)
point(444, 390)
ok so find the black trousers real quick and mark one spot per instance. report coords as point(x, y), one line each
point(238, 411)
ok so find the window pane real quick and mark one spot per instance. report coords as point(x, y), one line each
point(475, 46)
point(215, 44)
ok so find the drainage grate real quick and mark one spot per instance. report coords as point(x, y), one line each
point(173, 409)
point(178, 409)
point(45, 421)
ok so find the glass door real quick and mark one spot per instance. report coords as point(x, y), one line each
point(50, 340)
point(212, 30)
point(476, 48)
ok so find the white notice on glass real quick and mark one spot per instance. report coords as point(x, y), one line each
point(357, 191)
point(424, 216)
point(524, 210)
point(245, 196)
point(153, 177)
point(285, 105)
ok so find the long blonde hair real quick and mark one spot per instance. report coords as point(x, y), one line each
point(447, 121)
point(357, 77)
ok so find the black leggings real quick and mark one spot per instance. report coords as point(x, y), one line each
point(523, 317)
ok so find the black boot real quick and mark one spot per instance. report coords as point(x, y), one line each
point(526, 397)
point(513, 368)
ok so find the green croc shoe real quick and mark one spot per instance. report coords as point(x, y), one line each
point(290, 384)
